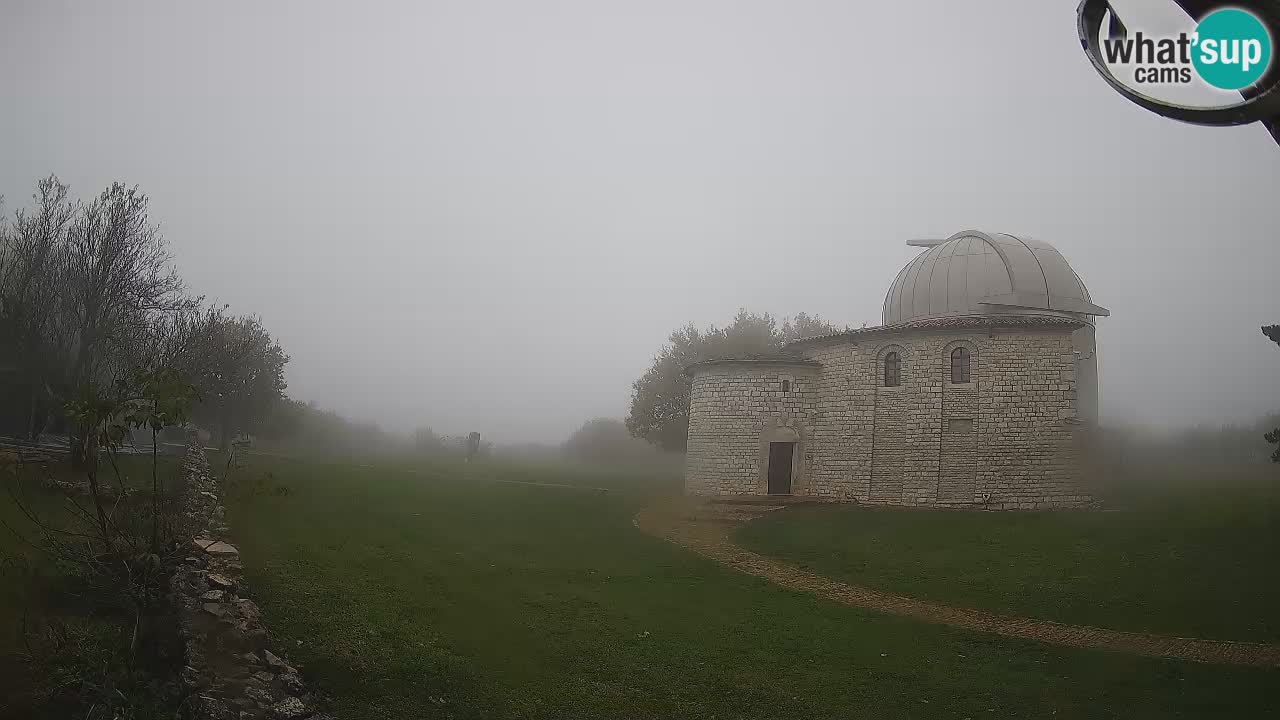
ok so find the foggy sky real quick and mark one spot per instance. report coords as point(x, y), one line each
point(489, 215)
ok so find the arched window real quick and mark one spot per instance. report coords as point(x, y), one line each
point(960, 365)
point(892, 370)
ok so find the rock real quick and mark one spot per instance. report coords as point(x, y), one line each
point(213, 609)
point(291, 708)
point(251, 658)
point(255, 636)
point(263, 698)
point(215, 547)
point(291, 683)
point(215, 709)
point(273, 661)
point(213, 596)
point(264, 676)
point(248, 610)
point(220, 581)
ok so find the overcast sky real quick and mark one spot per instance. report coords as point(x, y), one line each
point(489, 215)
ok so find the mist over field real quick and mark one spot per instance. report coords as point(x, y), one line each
point(489, 216)
point(475, 359)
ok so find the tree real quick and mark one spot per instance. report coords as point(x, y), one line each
point(80, 287)
point(424, 438)
point(606, 440)
point(304, 427)
point(117, 277)
point(805, 326)
point(121, 546)
point(238, 370)
point(660, 397)
point(1273, 333)
point(32, 268)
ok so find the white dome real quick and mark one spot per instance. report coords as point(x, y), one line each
point(978, 273)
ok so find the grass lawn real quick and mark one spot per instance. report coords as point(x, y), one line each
point(27, 575)
point(434, 591)
point(35, 588)
point(1198, 561)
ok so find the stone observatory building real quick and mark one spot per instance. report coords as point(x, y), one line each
point(977, 391)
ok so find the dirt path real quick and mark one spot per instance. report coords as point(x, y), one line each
point(704, 527)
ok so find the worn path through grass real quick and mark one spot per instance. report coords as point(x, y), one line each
point(1190, 560)
point(429, 591)
point(705, 527)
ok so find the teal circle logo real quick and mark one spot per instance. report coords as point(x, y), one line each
point(1232, 49)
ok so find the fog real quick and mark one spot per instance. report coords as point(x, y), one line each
point(489, 215)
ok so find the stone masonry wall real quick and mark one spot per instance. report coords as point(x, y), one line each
point(734, 410)
point(958, 451)
point(1007, 439)
point(1028, 424)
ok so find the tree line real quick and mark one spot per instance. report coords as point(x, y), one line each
point(92, 307)
point(659, 410)
point(100, 341)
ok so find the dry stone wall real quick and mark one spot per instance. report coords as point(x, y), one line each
point(1008, 439)
point(231, 671)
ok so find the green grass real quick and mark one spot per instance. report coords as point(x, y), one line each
point(1198, 561)
point(42, 593)
point(30, 581)
point(435, 591)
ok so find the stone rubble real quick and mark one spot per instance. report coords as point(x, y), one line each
point(230, 671)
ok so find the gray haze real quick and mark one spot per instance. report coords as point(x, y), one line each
point(489, 215)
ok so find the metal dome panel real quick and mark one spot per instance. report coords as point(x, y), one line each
point(978, 273)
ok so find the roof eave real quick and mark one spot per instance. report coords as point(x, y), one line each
point(943, 324)
point(757, 362)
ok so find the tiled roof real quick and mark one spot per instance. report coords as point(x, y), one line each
point(959, 322)
point(782, 358)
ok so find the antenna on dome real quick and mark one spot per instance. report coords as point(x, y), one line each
point(926, 242)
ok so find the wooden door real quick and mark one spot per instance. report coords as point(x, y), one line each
point(780, 457)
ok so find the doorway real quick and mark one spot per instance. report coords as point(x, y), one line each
point(781, 455)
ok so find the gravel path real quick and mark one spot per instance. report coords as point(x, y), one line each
point(704, 526)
